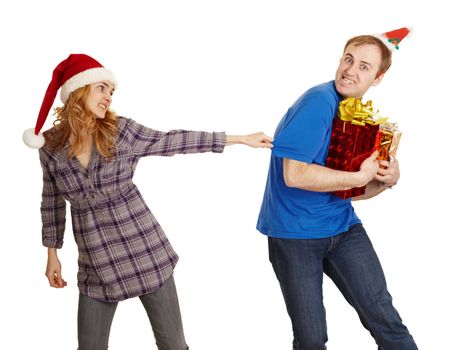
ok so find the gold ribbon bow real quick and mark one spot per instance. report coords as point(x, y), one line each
point(354, 111)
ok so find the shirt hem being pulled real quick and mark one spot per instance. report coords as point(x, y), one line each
point(308, 234)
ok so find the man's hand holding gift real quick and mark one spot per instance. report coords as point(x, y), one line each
point(388, 172)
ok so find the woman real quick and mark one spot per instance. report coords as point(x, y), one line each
point(88, 159)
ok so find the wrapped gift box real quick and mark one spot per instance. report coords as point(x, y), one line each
point(350, 145)
point(355, 135)
point(387, 141)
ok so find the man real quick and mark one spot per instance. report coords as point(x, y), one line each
point(310, 231)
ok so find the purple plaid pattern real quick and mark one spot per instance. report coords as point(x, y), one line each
point(123, 251)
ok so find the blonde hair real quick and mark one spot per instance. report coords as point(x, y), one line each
point(74, 122)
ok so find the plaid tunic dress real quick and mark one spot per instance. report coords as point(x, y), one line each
point(123, 252)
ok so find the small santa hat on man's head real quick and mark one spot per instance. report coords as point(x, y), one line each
point(394, 37)
point(71, 74)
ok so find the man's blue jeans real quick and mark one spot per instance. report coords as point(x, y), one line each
point(351, 262)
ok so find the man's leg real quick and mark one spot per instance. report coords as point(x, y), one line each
point(354, 267)
point(298, 265)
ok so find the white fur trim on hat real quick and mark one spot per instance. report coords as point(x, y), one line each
point(89, 76)
point(383, 38)
point(32, 140)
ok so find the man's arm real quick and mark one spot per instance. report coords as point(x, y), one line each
point(372, 189)
point(317, 178)
point(387, 176)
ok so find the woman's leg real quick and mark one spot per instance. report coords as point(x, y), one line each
point(94, 320)
point(164, 315)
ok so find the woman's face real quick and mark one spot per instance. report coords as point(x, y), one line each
point(99, 99)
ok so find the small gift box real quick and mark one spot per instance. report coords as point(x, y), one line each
point(355, 135)
point(387, 141)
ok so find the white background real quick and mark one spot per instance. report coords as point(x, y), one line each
point(236, 66)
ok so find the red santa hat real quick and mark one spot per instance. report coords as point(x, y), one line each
point(73, 73)
point(394, 37)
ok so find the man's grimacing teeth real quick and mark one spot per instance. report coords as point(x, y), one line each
point(348, 81)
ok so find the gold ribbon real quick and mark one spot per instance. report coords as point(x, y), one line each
point(354, 111)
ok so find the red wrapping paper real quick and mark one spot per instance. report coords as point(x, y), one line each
point(350, 145)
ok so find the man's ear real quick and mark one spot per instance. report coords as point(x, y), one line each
point(378, 79)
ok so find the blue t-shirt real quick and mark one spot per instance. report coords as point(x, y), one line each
point(304, 135)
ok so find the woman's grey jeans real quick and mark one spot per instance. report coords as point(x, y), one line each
point(95, 318)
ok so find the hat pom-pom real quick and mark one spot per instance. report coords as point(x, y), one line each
point(32, 140)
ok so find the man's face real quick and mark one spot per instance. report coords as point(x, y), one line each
point(357, 71)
